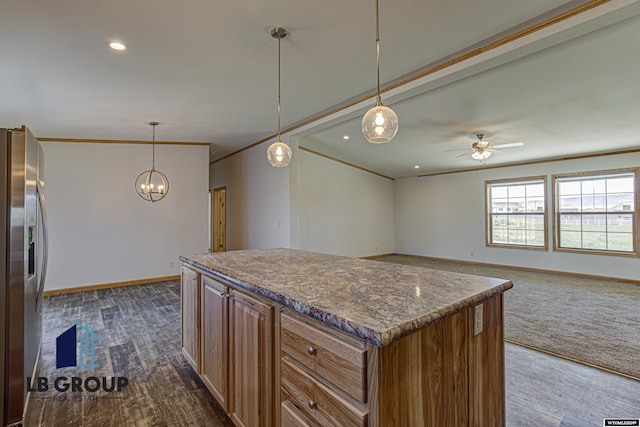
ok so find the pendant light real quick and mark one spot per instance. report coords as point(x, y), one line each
point(379, 124)
point(279, 153)
point(152, 185)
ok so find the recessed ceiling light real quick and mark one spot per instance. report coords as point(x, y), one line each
point(345, 137)
point(416, 167)
point(119, 46)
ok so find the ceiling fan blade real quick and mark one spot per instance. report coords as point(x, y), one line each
point(511, 144)
point(458, 149)
point(462, 155)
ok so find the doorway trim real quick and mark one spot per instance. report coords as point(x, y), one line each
point(219, 220)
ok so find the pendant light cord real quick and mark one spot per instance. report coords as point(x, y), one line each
point(279, 39)
point(378, 99)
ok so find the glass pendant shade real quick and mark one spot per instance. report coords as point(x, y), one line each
point(152, 185)
point(279, 154)
point(379, 124)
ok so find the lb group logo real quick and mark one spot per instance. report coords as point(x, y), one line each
point(67, 345)
point(75, 348)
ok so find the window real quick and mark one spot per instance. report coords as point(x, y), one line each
point(596, 212)
point(516, 213)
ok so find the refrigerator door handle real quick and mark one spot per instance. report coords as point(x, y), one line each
point(45, 242)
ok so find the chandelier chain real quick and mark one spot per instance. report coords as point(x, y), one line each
point(153, 147)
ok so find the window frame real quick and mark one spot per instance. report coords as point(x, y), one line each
point(489, 215)
point(557, 178)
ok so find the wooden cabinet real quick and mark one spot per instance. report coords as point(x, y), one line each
point(441, 374)
point(237, 353)
point(323, 375)
point(190, 295)
point(270, 366)
point(215, 338)
point(251, 361)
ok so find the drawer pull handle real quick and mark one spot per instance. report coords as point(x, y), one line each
point(313, 404)
point(311, 352)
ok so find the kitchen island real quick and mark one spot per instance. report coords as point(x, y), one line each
point(289, 337)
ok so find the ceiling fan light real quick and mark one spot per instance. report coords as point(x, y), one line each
point(480, 155)
point(279, 154)
point(379, 124)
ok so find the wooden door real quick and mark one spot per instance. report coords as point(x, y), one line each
point(215, 339)
point(220, 219)
point(251, 361)
point(190, 316)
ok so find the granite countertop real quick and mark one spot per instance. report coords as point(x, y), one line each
point(376, 301)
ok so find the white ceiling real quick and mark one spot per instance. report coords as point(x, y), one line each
point(207, 71)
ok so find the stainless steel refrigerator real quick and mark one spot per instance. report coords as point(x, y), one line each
point(23, 264)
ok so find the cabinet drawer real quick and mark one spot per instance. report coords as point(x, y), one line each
point(292, 417)
point(318, 402)
point(339, 362)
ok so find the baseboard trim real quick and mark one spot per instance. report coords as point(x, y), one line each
point(535, 270)
point(571, 359)
point(377, 256)
point(64, 291)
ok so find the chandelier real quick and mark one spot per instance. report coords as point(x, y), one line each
point(152, 185)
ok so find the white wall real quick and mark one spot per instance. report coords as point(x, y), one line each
point(101, 231)
point(257, 199)
point(343, 210)
point(443, 216)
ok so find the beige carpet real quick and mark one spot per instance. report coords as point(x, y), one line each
point(592, 321)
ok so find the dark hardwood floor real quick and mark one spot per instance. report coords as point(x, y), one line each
point(139, 338)
point(139, 328)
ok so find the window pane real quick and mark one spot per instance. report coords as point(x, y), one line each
point(500, 236)
point(499, 221)
point(619, 185)
point(594, 186)
point(570, 223)
point(620, 223)
point(569, 188)
point(535, 204)
point(571, 239)
point(499, 205)
point(570, 204)
point(594, 240)
point(594, 223)
point(498, 192)
point(593, 202)
point(517, 204)
point(535, 190)
point(517, 237)
point(621, 242)
point(516, 191)
point(620, 202)
point(536, 238)
point(535, 222)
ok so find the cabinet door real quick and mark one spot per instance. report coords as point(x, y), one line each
point(251, 361)
point(190, 316)
point(215, 338)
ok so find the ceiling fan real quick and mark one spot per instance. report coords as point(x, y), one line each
point(482, 150)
